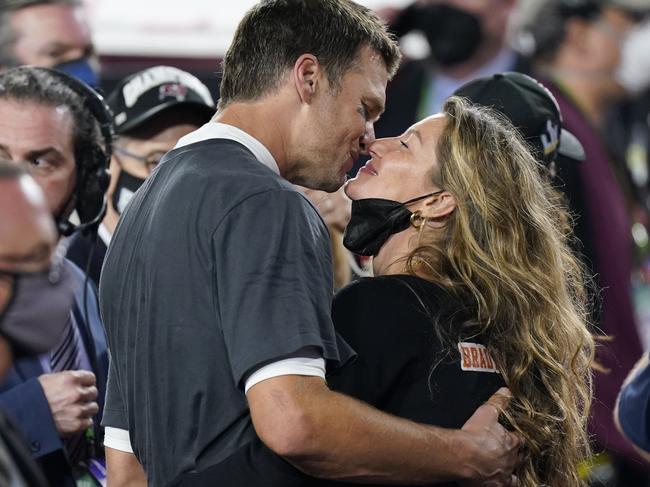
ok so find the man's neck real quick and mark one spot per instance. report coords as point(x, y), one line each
point(256, 120)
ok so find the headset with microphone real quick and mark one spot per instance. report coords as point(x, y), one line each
point(92, 165)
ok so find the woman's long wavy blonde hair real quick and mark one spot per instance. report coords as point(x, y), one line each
point(505, 248)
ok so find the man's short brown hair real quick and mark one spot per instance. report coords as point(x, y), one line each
point(274, 33)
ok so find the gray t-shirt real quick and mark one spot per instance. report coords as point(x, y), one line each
point(218, 266)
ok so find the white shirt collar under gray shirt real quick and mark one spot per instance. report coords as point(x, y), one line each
point(218, 130)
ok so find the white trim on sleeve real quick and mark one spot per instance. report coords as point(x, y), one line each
point(117, 439)
point(313, 366)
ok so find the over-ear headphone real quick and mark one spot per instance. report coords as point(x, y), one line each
point(91, 165)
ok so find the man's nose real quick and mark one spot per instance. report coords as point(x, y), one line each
point(367, 138)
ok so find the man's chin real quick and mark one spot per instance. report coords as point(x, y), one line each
point(328, 185)
point(332, 187)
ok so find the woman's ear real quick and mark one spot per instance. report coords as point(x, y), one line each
point(438, 206)
point(306, 75)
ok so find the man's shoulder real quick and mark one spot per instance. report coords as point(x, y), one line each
point(217, 155)
point(222, 163)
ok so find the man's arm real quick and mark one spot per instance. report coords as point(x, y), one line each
point(123, 469)
point(329, 435)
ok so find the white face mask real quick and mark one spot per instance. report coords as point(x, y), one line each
point(633, 72)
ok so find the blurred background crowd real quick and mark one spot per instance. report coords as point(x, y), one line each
point(593, 55)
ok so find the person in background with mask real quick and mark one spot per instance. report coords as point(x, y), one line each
point(55, 126)
point(467, 39)
point(579, 55)
point(152, 109)
point(30, 272)
point(50, 34)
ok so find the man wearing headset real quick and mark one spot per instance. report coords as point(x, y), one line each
point(49, 124)
point(152, 109)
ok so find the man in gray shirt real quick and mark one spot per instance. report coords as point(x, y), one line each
point(217, 284)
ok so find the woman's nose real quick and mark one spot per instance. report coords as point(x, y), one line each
point(379, 147)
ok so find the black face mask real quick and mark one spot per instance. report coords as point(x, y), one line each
point(127, 184)
point(38, 310)
point(453, 34)
point(373, 220)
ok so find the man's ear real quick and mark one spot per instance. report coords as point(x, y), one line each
point(307, 73)
point(438, 206)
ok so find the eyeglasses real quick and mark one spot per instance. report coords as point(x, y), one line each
point(150, 161)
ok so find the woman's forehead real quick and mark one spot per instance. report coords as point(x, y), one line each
point(430, 127)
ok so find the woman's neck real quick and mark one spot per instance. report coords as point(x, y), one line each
point(393, 255)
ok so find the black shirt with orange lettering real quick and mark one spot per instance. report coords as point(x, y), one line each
point(403, 367)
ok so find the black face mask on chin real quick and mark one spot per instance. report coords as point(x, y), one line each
point(374, 220)
point(454, 35)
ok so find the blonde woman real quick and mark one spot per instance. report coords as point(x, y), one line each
point(475, 288)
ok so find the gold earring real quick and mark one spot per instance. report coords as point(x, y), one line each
point(417, 220)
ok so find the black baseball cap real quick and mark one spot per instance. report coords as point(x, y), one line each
point(145, 94)
point(531, 108)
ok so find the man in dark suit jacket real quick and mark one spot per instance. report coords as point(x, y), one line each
point(23, 396)
point(25, 331)
point(48, 125)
